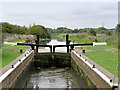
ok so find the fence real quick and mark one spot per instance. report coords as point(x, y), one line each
point(103, 43)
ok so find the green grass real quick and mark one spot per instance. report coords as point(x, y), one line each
point(16, 40)
point(107, 59)
point(12, 47)
point(8, 57)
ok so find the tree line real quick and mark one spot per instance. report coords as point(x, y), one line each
point(91, 31)
point(46, 32)
point(16, 29)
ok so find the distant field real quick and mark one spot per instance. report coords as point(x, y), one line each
point(83, 38)
point(16, 40)
point(7, 56)
point(112, 41)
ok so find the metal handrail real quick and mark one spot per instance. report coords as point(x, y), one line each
point(115, 74)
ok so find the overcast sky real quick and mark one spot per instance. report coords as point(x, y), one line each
point(57, 14)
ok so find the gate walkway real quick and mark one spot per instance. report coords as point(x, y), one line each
point(101, 69)
point(52, 47)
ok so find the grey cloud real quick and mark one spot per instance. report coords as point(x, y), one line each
point(57, 14)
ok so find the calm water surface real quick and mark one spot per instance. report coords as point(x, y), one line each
point(48, 78)
point(52, 78)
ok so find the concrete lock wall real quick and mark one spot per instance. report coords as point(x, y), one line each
point(9, 80)
point(61, 60)
point(94, 76)
point(81, 76)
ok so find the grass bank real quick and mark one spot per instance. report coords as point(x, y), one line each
point(108, 59)
point(99, 47)
point(7, 56)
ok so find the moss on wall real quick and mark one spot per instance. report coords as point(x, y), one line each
point(81, 75)
point(52, 59)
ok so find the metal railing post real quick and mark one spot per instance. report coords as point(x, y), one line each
point(115, 75)
point(53, 49)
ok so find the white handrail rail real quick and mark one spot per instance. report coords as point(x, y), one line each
point(115, 74)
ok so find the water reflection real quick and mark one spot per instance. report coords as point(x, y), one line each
point(52, 78)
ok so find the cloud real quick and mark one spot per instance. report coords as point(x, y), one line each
point(59, 0)
point(74, 15)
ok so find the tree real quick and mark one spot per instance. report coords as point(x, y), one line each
point(40, 30)
point(109, 33)
point(117, 29)
point(92, 32)
point(101, 30)
point(75, 31)
point(6, 27)
point(10, 28)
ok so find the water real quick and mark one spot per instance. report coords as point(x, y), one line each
point(57, 49)
point(49, 78)
point(52, 78)
point(56, 42)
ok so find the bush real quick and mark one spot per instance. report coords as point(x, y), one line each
point(92, 32)
point(109, 33)
point(96, 40)
point(113, 40)
point(117, 29)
